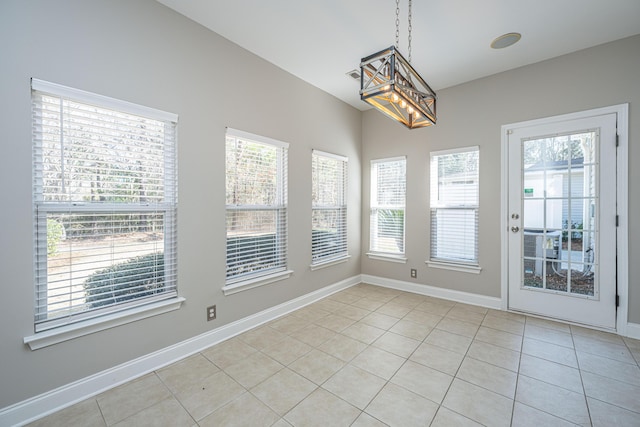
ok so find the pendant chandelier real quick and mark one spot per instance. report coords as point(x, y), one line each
point(389, 83)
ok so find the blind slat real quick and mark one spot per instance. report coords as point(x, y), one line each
point(387, 211)
point(329, 208)
point(105, 204)
point(454, 205)
point(256, 198)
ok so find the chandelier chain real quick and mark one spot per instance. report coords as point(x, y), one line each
point(397, 24)
point(390, 84)
point(409, 30)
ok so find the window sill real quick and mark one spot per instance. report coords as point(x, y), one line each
point(86, 327)
point(387, 257)
point(245, 285)
point(329, 263)
point(465, 268)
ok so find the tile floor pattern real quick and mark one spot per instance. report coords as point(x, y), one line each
point(372, 356)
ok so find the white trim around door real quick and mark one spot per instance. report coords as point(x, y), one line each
point(622, 177)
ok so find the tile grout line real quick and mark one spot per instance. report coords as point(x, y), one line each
point(347, 363)
point(387, 382)
point(363, 294)
point(173, 395)
point(555, 385)
point(319, 386)
point(515, 392)
point(100, 409)
point(584, 390)
point(406, 359)
point(455, 375)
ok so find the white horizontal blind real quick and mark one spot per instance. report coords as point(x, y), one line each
point(256, 202)
point(454, 205)
point(105, 202)
point(388, 191)
point(329, 207)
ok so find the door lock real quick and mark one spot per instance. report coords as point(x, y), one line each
point(515, 216)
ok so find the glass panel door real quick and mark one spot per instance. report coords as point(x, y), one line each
point(559, 213)
point(561, 225)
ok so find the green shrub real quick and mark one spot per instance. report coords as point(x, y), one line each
point(55, 232)
point(327, 243)
point(248, 254)
point(135, 278)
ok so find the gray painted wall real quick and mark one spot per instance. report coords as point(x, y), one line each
point(472, 114)
point(142, 52)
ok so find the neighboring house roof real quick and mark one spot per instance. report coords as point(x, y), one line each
point(557, 164)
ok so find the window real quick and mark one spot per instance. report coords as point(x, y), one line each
point(454, 206)
point(329, 208)
point(388, 188)
point(256, 200)
point(104, 197)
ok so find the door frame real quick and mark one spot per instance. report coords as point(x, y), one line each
point(622, 186)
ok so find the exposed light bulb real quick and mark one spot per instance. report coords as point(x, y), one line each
point(403, 104)
point(394, 98)
point(410, 110)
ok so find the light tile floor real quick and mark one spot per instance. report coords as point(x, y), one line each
point(372, 356)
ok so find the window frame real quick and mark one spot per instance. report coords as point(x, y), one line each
point(341, 170)
point(466, 264)
point(376, 251)
point(49, 328)
point(245, 281)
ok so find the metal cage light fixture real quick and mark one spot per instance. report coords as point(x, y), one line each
point(390, 84)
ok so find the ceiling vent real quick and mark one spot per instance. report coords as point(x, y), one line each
point(354, 74)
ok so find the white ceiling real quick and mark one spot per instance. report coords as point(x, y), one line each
point(319, 41)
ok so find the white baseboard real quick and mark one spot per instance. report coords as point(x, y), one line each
point(633, 330)
point(434, 291)
point(39, 406)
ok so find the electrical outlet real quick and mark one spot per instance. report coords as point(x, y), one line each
point(211, 313)
point(414, 273)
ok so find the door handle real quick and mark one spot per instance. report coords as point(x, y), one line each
point(515, 229)
point(515, 216)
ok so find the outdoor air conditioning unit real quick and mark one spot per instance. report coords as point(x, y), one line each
point(539, 246)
